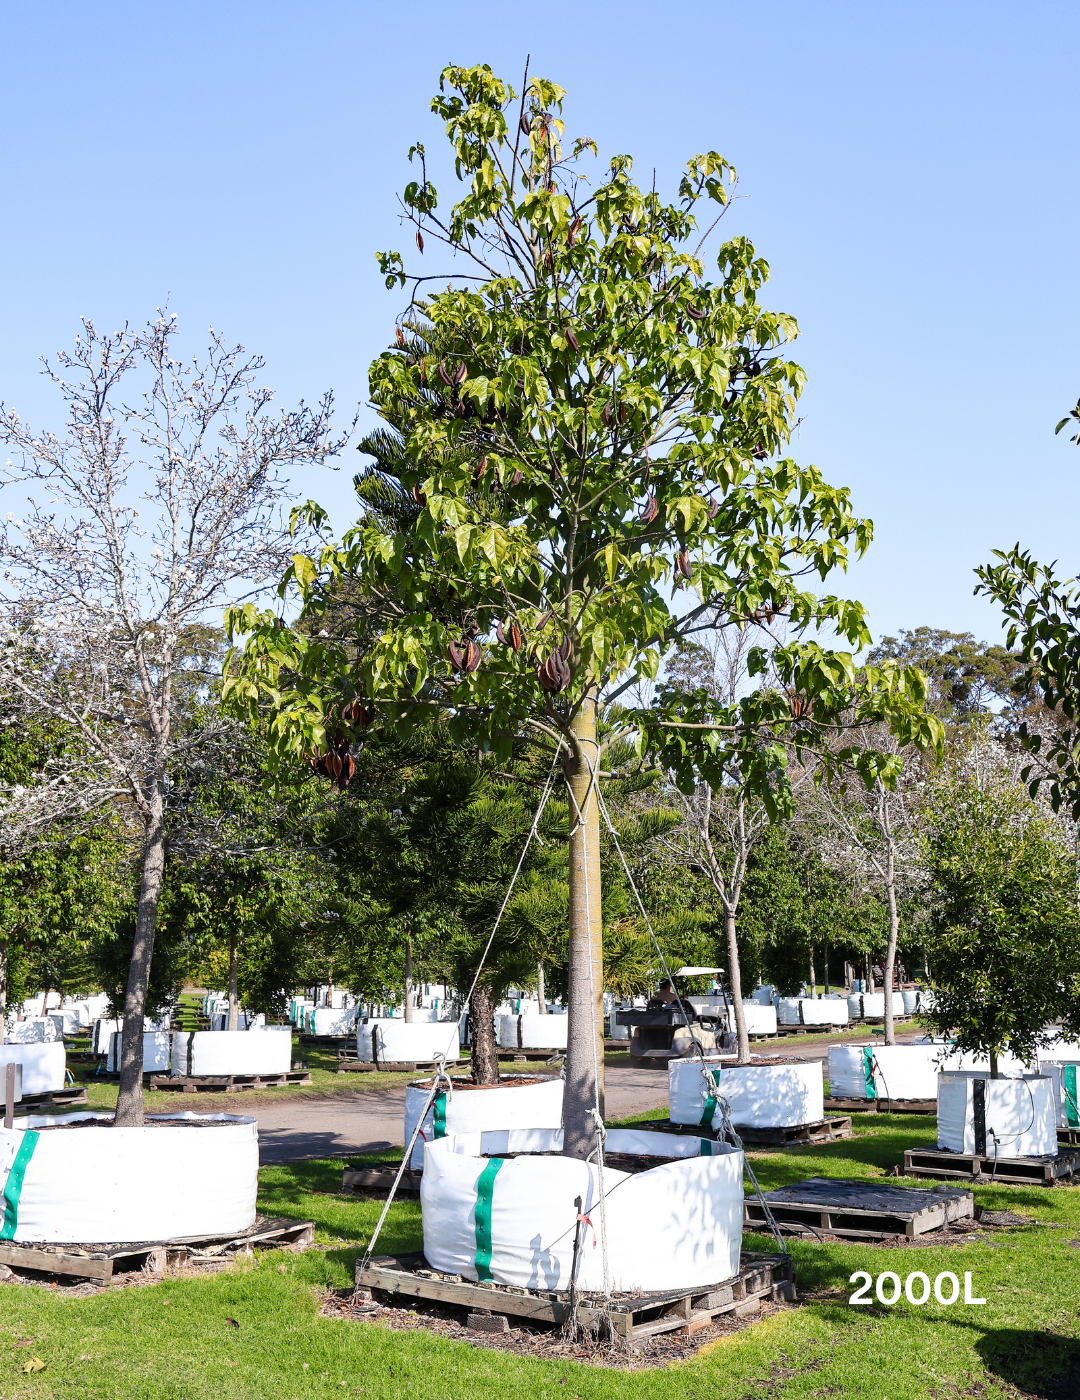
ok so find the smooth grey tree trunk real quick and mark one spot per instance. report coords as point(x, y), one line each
point(735, 976)
point(129, 1102)
point(408, 982)
point(585, 989)
point(813, 975)
point(541, 988)
point(233, 1022)
point(894, 918)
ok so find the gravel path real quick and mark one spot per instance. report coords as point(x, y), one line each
point(293, 1129)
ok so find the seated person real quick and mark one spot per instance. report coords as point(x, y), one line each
point(665, 997)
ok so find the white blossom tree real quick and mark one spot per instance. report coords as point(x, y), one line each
point(134, 529)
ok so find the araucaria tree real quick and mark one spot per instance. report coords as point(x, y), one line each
point(592, 431)
point(144, 520)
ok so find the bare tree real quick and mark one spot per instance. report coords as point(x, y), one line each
point(143, 521)
point(722, 823)
point(877, 836)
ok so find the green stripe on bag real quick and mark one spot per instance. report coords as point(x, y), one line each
point(13, 1189)
point(710, 1104)
point(485, 1189)
point(706, 1147)
point(868, 1071)
point(440, 1115)
point(1071, 1114)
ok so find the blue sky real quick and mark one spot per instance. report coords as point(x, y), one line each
point(907, 170)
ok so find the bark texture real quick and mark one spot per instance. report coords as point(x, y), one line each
point(233, 1022)
point(129, 1103)
point(585, 991)
point(408, 982)
point(482, 1039)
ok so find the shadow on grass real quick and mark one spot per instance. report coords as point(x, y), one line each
point(1042, 1365)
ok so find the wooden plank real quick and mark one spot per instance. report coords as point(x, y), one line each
point(71, 1265)
point(1010, 1171)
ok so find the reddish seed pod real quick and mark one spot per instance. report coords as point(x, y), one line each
point(418, 496)
point(525, 125)
point(542, 621)
point(517, 478)
point(649, 511)
point(420, 240)
point(682, 563)
point(400, 337)
point(460, 373)
point(456, 658)
point(566, 648)
point(443, 374)
point(515, 636)
point(606, 415)
point(713, 510)
point(473, 656)
point(500, 635)
point(572, 340)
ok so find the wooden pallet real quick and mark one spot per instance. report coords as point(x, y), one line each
point(226, 1083)
point(824, 1130)
point(378, 1177)
point(884, 1105)
point(1006, 1171)
point(520, 1057)
point(57, 1098)
point(1068, 1137)
point(101, 1262)
point(761, 1277)
point(859, 1210)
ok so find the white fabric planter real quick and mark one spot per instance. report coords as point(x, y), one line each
point(245, 1020)
point(1019, 1114)
point(181, 1175)
point(760, 1018)
point(265, 1050)
point(325, 1020)
point(759, 1096)
point(403, 1042)
point(1064, 1076)
point(871, 1005)
point(512, 1221)
point(40, 1030)
point(884, 1071)
point(43, 1065)
point(155, 1052)
point(533, 1032)
point(101, 1035)
point(66, 1022)
point(912, 1002)
point(515, 1102)
point(812, 1011)
point(763, 995)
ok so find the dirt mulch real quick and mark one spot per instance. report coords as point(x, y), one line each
point(535, 1339)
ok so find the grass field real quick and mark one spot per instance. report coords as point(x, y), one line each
point(173, 1340)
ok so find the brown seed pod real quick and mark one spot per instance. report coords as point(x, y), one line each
point(682, 563)
point(622, 413)
point(695, 313)
point(515, 636)
point(418, 495)
point(443, 374)
point(572, 340)
point(473, 656)
point(460, 373)
point(517, 478)
point(649, 511)
point(481, 468)
point(606, 415)
point(573, 231)
point(549, 261)
point(400, 337)
point(420, 240)
point(566, 648)
point(713, 510)
point(554, 473)
point(456, 658)
point(542, 621)
point(525, 123)
point(348, 768)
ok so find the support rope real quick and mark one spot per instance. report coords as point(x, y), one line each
point(722, 1103)
point(440, 1062)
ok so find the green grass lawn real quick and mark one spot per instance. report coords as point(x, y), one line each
point(173, 1339)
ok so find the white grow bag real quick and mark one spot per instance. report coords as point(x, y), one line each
point(265, 1050)
point(812, 1011)
point(1064, 1075)
point(884, 1071)
point(155, 1052)
point(759, 1096)
point(512, 1221)
point(517, 1101)
point(404, 1042)
point(181, 1175)
point(871, 1005)
point(39, 1030)
point(42, 1065)
point(533, 1032)
point(325, 1020)
point(1020, 1115)
point(760, 1018)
